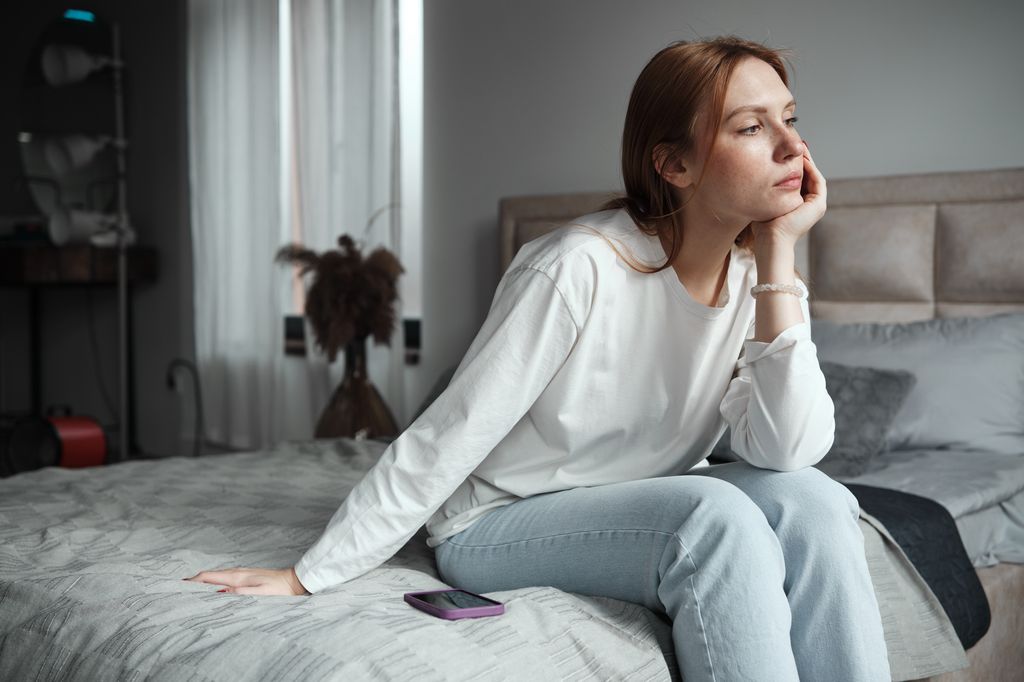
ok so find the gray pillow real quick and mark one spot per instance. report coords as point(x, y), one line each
point(866, 401)
point(970, 377)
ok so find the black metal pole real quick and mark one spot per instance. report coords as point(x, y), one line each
point(35, 349)
point(124, 420)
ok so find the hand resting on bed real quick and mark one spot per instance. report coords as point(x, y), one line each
point(267, 581)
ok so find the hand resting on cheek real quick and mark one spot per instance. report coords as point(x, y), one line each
point(789, 227)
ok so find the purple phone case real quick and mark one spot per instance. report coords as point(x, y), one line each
point(495, 609)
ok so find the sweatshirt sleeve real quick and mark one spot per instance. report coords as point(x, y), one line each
point(525, 339)
point(779, 413)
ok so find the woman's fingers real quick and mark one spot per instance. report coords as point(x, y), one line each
point(252, 581)
point(815, 181)
point(235, 577)
point(258, 589)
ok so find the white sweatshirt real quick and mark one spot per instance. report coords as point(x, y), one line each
point(585, 372)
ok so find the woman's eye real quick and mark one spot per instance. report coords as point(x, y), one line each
point(752, 130)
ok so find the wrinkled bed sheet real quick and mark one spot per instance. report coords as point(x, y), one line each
point(92, 561)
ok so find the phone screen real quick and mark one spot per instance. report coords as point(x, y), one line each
point(455, 599)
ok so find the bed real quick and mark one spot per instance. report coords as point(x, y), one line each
point(91, 560)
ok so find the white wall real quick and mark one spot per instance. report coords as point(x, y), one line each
point(529, 96)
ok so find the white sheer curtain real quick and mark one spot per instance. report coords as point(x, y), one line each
point(339, 167)
point(345, 142)
point(234, 172)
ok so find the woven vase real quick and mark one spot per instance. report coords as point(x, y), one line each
point(356, 409)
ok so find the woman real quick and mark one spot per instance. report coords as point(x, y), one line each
point(568, 449)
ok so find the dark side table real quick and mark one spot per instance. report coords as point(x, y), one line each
point(39, 265)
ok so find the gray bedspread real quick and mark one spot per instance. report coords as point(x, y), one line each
point(92, 561)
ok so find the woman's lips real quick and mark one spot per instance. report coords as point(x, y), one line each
point(791, 181)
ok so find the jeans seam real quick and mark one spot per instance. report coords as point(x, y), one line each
point(560, 535)
point(696, 602)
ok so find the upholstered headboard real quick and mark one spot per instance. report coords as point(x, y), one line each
point(889, 249)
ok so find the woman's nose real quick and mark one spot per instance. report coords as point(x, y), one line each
point(790, 143)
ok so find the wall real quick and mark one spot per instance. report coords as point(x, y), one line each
point(529, 96)
point(520, 97)
point(153, 40)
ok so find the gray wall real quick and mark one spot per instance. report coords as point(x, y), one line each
point(520, 97)
point(153, 37)
point(529, 96)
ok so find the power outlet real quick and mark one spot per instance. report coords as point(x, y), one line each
point(412, 328)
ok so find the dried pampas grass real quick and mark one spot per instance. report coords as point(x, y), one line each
point(350, 297)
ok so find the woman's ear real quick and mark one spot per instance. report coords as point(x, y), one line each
point(668, 163)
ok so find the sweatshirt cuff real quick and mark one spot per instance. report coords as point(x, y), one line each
point(755, 350)
point(310, 578)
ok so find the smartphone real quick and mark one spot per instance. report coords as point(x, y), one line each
point(454, 604)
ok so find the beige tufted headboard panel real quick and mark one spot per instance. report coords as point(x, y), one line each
point(889, 249)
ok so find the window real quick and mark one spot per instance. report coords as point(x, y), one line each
point(410, 97)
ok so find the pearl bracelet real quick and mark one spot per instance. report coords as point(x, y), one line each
point(784, 288)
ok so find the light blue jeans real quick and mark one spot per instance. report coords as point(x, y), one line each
point(762, 572)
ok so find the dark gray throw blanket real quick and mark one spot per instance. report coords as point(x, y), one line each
point(927, 534)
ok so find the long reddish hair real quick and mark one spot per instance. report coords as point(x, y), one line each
point(677, 83)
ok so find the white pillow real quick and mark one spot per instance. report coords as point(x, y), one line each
point(970, 377)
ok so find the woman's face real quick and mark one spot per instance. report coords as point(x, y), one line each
point(756, 148)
